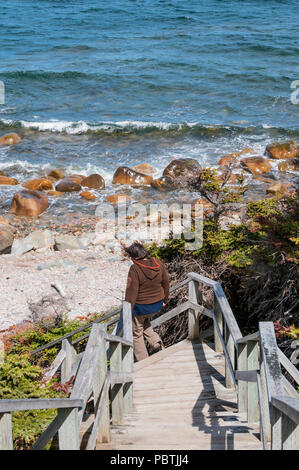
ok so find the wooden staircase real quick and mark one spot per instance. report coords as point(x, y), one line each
point(181, 402)
point(228, 394)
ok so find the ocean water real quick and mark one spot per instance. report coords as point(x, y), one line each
point(92, 85)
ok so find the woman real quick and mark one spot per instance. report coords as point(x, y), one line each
point(147, 291)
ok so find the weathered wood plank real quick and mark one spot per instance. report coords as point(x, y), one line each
point(242, 385)
point(6, 442)
point(52, 429)
point(253, 337)
point(253, 410)
point(227, 356)
point(69, 360)
point(51, 371)
point(227, 313)
point(170, 314)
point(195, 297)
point(289, 367)
point(199, 278)
point(288, 406)
point(219, 319)
point(84, 381)
point(101, 427)
point(117, 399)
point(38, 404)
point(230, 346)
point(68, 433)
point(269, 353)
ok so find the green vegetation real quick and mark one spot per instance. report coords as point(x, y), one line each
point(21, 374)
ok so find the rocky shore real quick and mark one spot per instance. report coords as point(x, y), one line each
point(89, 265)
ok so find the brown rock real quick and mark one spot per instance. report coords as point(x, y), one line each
point(282, 151)
point(55, 193)
point(164, 183)
point(2, 173)
point(182, 171)
point(68, 186)
point(29, 203)
point(145, 168)
point(262, 179)
point(6, 236)
point(87, 195)
point(114, 198)
point(56, 174)
point(289, 165)
point(38, 184)
point(94, 182)
point(277, 188)
point(10, 139)
point(232, 158)
point(256, 165)
point(8, 181)
point(126, 175)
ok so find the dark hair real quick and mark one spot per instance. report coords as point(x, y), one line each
point(137, 251)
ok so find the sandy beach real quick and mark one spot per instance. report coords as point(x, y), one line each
point(92, 280)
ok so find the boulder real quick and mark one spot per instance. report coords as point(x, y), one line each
point(282, 151)
point(34, 241)
point(289, 165)
point(182, 171)
point(55, 193)
point(56, 174)
point(164, 183)
point(230, 159)
point(38, 184)
point(94, 182)
point(6, 236)
point(2, 173)
point(29, 203)
point(68, 186)
point(8, 181)
point(145, 168)
point(10, 139)
point(115, 198)
point(70, 242)
point(256, 165)
point(277, 188)
point(126, 175)
point(77, 178)
point(87, 195)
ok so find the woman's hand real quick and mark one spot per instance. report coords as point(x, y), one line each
point(164, 304)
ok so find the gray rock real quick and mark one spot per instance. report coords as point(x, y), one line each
point(6, 238)
point(70, 242)
point(60, 263)
point(35, 241)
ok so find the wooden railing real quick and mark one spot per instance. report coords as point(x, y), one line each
point(94, 380)
point(252, 366)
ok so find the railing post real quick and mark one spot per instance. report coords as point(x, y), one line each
point(68, 434)
point(242, 384)
point(193, 316)
point(276, 427)
point(289, 434)
point(219, 319)
point(265, 410)
point(117, 398)
point(229, 381)
point(127, 357)
point(253, 398)
point(6, 442)
point(99, 378)
point(66, 366)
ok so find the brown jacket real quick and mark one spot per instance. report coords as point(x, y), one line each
point(147, 282)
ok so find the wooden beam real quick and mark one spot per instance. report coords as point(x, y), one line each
point(242, 385)
point(219, 319)
point(253, 410)
point(51, 371)
point(21, 404)
point(6, 442)
point(117, 399)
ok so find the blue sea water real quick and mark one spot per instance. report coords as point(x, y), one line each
point(91, 85)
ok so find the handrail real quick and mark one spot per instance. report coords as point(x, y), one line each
point(252, 365)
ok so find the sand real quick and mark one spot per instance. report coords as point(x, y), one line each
point(93, 280)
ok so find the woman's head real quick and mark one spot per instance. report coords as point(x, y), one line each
point(136, 251)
